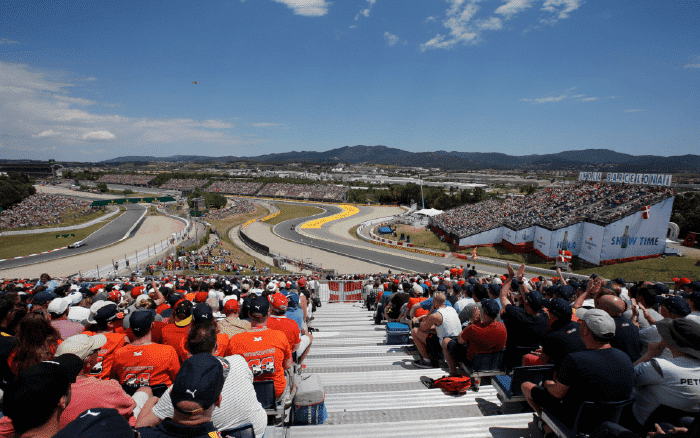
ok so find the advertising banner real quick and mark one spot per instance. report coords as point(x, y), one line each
point(525, 235)
point(635, 236)
point(566, 239)
point(591, 243)
point(542, 241)
point(485, 238)
point(509, 235)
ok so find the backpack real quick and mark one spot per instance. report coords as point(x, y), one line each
point(457, 384)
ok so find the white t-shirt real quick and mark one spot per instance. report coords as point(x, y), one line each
point(450, 327)
point(671, 382)
point(462, 303)
point(239, 404)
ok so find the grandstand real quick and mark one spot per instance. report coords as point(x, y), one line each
point(234, 187)
point(537, 219)
point(129, 180)
point(304, 191)
point(186, 185)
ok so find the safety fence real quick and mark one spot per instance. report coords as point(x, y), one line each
point(338, 291)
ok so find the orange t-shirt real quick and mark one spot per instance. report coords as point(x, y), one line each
point(286, 326)
point(265, 351)
point(145, 365)
point(105, 357)
point(412, 302)
point(175, 336)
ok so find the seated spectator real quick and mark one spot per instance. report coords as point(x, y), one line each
point(143, 363)
point(93, 423)
point(626, 333)
point(195, 393)
point(37, 341)
point(442, 323)
point(58, 309)
point(563, 336)
point(232, 324)
point(239, 404)
point(669, 382)
point(104, 319)
point(483, 335)
point(35, 400)
point(600, 373)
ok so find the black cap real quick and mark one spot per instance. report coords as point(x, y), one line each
point(31, 398)
point(140, 321)
point(202, 312)
point(490, 307)
point(535, 299)
point(200, 379)
point(183, 309)
point(259, 306)
point(97, 423)
point(565, 292)
point(675, 304)
point(558, 307)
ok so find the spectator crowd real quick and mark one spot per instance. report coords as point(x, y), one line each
point(129, 180)
point(551, 208)
point(184, 184)
point(234, 187)
point(43, 209)
point(234, 207)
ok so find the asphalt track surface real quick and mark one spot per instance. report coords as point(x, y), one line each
point(112, 232)
point(366, 252)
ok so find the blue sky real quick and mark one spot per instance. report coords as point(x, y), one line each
point(88, 80)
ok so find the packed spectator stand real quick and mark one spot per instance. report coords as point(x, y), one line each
point(367, 393)
point(129, 180)
point(552, 208)
point(234, 207)
point(234, 187)
point(42, 209)
point(187, 185)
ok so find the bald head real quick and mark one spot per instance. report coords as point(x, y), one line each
point(611, 304)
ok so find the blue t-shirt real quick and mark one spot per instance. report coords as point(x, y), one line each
point(297, 315)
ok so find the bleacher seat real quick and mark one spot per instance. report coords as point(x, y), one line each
point(484, 365)
point(508, 386)
point(589, 416)
point(245, 431)
point(265, 392)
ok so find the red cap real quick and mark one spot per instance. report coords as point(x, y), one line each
point(201, 297)
point(114, 296)
point(681, 281)
point(301, 282)
point(277, 300)
point(135, 292)
point(231, 306)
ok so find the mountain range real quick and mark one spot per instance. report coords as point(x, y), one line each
point(588, 159)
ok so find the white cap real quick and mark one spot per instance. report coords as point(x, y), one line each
point(58, 306)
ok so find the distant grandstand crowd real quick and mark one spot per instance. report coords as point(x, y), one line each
point(184, 184)
point(304, 191)
point(552, 208)
point(232, 187)
point(129, 180)
point(234, 207)
point(42, 209)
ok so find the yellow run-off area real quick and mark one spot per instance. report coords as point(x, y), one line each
point(348, 210)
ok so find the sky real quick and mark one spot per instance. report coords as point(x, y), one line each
point(88, 80)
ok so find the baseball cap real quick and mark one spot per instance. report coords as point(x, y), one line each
point(675, 304)
point(598, 321)
point(278, 301)
point(58, 306)
point(201, 297)
point(490, 307)
point(693, 296)
point(81, 345)
point(558, 307)
point(183, 310)
point(565, 292)
point(174, 297)
point(535, 299)
point(97, 423)
point(202, 312)
point(271, 286)
point(292, 300)
point(259, 306)
point(140, 321)
point(43, 297)
point(231, 306)
point(31, 398)
point(200, 379)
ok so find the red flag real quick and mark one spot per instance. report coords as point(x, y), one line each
point(646, 212)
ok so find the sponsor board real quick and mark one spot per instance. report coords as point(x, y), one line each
point(646, 179)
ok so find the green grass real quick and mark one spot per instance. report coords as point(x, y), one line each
point(421, 237)
point(292, 212)
point(25, 244)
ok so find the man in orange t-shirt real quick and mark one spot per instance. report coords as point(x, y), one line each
point(267, 351)
point(174, 334)
point(105, 317)
point(143, 363)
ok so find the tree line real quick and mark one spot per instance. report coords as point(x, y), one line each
point(14, 187)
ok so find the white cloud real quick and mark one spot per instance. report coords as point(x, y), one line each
point(465, 28)
point(365, 11)
point(513, 7)
point(431, 19)
point(8, 41)
point(47, 133)
point(562, 97)
point(634, 110)
point(308, 8)
point(35, 105)
point(391, 39)
point(695, 63)
point(560, 9)
point(266, 125)
point(98, 135)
